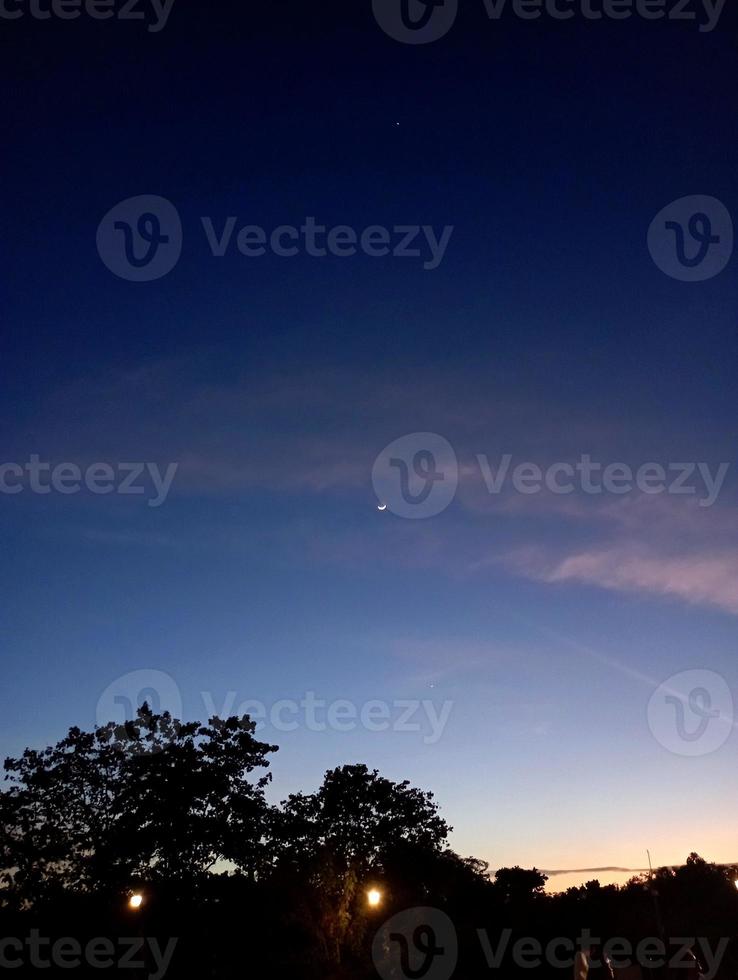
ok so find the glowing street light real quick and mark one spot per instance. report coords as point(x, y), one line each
point(373, 897)
point(135, 901)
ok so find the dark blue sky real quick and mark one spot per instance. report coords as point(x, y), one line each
point(546, 332)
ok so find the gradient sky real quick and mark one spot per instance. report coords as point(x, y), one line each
point(547, 332)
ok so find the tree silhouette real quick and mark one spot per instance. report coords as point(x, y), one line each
point(519, 886)
point(330, 844)
point(357, 814)
point(154, 799)
point(180, 810)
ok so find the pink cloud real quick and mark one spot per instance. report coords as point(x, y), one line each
point(702, 578)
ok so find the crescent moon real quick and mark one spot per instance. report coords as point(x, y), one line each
point(381, 506)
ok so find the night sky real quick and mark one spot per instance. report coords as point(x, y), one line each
point(548, 622)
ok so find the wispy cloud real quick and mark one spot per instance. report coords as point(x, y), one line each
point(707, 578)
point(588, 871)
point(317, 433)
